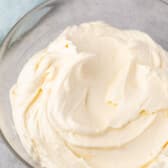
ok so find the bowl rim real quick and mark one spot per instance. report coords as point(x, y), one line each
point(6, 40)
point(12, 30)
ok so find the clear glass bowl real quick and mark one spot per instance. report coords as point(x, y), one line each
point(40, 26)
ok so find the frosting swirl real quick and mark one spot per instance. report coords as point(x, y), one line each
point(96, 97)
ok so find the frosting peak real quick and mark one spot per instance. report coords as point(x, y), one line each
point(97, 92)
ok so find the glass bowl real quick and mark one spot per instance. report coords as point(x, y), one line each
point(42, 25)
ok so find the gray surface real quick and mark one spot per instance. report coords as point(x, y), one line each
point(7, 159)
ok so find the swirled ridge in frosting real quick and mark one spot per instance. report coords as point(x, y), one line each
point(96, 97)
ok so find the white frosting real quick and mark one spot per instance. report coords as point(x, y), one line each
point(96, 97)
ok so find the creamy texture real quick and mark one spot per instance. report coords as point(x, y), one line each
point(96, 97)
